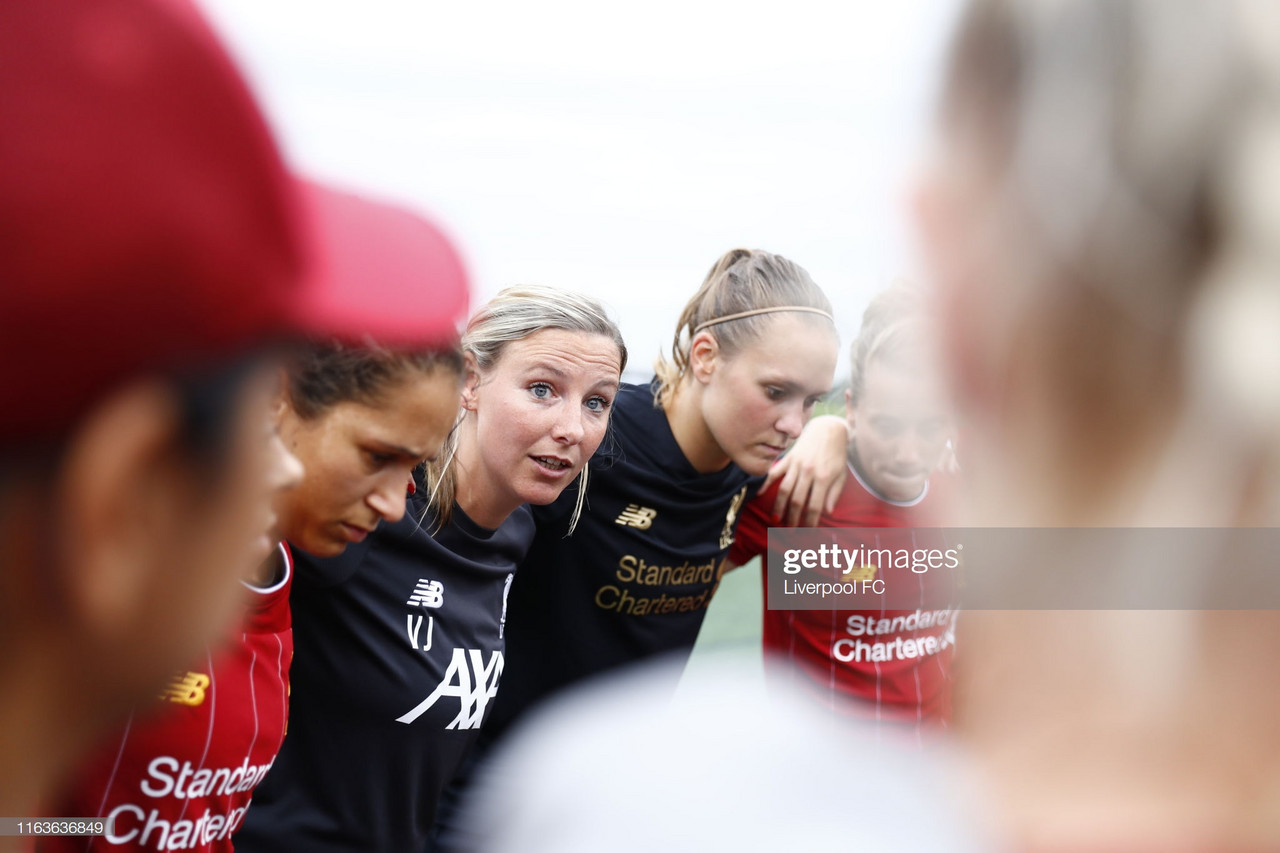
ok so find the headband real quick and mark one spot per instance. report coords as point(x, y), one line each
point(742, 314)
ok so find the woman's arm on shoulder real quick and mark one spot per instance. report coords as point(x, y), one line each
point(812, 474)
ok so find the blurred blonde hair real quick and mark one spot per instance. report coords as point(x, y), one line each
point(1135, 145)
point(895, 326)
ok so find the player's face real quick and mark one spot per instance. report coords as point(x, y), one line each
point(359, 458)
point(539, 414)
point(900, 428)
point(756, 402)
point(206, 530)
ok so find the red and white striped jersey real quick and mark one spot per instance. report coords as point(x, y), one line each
point(884, 665)
point(180, 774)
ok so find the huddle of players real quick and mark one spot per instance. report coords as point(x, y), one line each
point(469, 609)
point(154, 249)
point(381, 662)
point(379, 627)
point(404, 623)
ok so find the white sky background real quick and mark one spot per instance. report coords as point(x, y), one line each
point(616, 149)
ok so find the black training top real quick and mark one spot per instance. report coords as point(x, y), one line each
point(398, 651)
point(635, 577)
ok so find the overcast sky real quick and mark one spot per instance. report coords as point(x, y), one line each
point(616, 149)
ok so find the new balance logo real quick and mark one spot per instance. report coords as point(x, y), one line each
point(639, 517)
point(427, 594)
point(471, 681)
point(188, 689)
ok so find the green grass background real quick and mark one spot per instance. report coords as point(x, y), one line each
point(731, 631)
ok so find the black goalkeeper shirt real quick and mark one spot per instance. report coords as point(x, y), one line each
point(398, 652)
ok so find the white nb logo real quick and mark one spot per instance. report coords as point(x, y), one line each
point(471, 681)
point(427, 594)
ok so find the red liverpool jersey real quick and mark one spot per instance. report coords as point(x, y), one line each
point(180, 775)
point(891, 665)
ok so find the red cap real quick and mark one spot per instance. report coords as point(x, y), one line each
point(380, 272)
point(147, 221)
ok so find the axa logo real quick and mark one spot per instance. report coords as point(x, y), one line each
point(187, 689)
point(469, 680)
point(639, 517)
point(427, 594)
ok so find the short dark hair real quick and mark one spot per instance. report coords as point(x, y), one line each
point(325, 374)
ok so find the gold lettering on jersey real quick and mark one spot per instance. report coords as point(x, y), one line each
point(187, 689)
point(633, 569)
point(639, 517)
point(610, 597)
point(735, 506)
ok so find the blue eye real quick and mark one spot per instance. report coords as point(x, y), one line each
point(598, 404)
point(541, 390)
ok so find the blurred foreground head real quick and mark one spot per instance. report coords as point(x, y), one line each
point(152, 255)
point(1103, 220)
point(620, 764)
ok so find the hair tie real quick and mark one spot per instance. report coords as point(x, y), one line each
point(756, 311)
